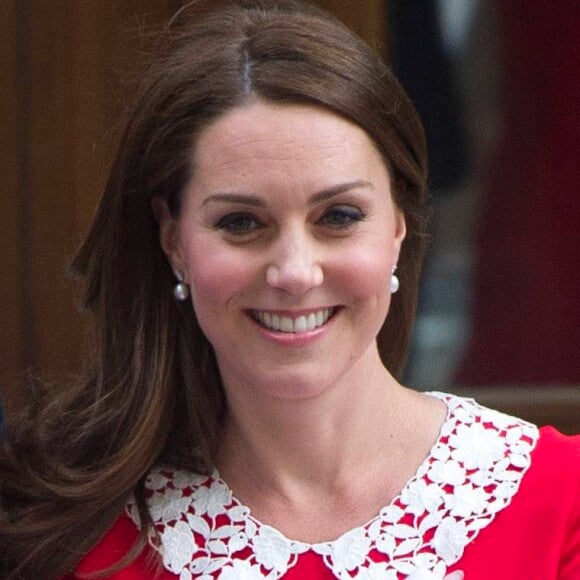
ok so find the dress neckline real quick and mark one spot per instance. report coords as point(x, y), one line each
point(312, 545)
point(471, 473)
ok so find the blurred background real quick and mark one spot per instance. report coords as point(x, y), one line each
point(497, 85)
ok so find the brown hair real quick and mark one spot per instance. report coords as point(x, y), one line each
point(155, 394)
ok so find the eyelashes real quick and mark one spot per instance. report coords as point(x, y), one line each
point(342, 217)
point(238, 223)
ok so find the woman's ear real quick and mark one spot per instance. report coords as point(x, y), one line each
point(400, 233)
point(168, 233)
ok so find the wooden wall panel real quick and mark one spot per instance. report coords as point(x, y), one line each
point(12, 323)
point(62, 86)
point(51, 170)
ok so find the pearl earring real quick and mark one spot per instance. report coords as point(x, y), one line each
point(394, 280)
point(181, 290)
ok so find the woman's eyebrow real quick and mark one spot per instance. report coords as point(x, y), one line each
point(330, 192)
point(257, 201)
point(232, 197)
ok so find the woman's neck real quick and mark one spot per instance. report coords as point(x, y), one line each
point(288, 446)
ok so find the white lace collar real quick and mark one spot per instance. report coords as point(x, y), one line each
point(472, 472)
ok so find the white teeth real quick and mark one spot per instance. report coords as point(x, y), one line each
point(300, 324)
point(319, 317)
point(267, 319)
point(293, 325)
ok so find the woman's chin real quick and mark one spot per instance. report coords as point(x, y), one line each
point(290, 384)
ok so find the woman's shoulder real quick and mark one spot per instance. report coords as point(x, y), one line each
point(548, 447)
point(549, 460)
point(115, 545)
point(168, 491)
point(114, 549)
point(556, 447)
point(537, 472)
point(555, 466)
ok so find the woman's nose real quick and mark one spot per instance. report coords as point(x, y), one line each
point(294, 267)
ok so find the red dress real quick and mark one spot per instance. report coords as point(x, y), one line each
point(496, 498)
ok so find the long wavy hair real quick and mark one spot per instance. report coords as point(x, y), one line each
point(153, 394)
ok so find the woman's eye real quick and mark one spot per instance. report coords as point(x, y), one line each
point(342, 216)
point(238, 223)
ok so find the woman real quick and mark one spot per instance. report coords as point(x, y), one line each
point(253, 265)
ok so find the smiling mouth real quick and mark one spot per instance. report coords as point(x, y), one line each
point(303, 323)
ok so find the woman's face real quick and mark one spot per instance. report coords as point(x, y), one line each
point(287, 237)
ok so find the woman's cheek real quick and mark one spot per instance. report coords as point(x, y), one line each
point(218, 275)
point(364, 272)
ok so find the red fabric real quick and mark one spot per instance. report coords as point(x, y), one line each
point(536, 537)
point(526, 306)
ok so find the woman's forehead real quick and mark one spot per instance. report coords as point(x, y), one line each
point(266, 132)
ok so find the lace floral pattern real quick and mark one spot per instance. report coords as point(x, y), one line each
point(472, 472)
